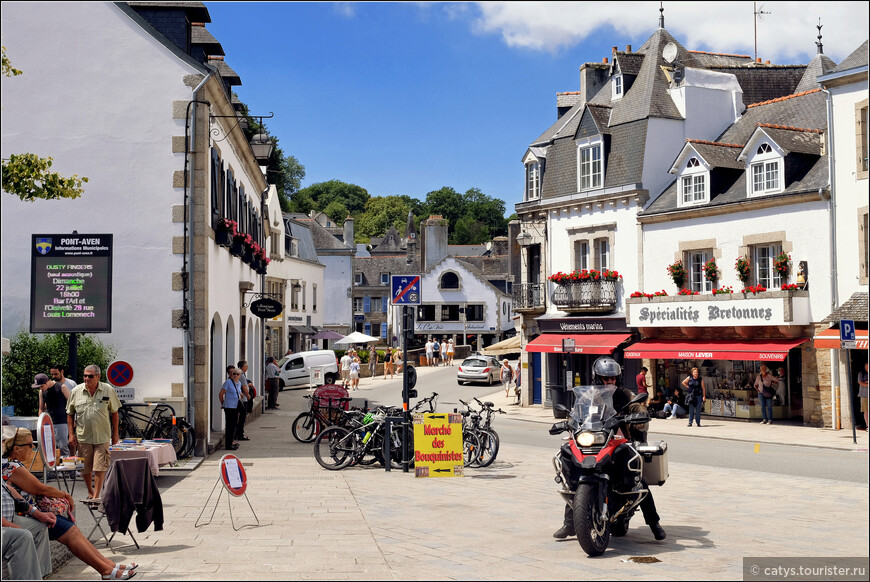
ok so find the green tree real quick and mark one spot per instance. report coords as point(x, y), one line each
point(35, 354)
point(448, 203)
point(380, 214)
point(352, 196)
point(337, 211)
point(28, 176)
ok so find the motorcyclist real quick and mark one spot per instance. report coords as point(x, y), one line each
point(606, 370)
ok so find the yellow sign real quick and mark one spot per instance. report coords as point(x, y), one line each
point(438, 445)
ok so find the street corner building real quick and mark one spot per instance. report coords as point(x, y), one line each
point(687, 209)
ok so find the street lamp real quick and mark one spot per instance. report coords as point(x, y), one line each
point(524, 239)
point(262, 146)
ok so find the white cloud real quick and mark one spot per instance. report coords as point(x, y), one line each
point(787, 35)
point(346, 9)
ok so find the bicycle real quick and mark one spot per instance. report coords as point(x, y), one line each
point(308, 424)
point(161, 424)
point(338, 447)
point(480, 424)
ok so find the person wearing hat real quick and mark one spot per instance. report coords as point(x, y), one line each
point(24, 487)
point(450, 352)
point(53, 397)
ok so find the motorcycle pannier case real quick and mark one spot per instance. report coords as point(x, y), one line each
point(655, 462)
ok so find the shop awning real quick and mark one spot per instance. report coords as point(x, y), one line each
point(584, 343)
point(303, 329)
point(508, 346)
point(830, 339)
point(762, 350)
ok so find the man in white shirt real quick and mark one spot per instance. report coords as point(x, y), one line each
point(346, 361)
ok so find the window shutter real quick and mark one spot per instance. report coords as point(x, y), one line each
point(384, 330)
point(367, 304)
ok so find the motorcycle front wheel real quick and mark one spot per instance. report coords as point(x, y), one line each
point(593, 531)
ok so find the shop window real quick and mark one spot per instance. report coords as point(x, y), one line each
point(449, 313)
point(426, 313)
point(474, 313)
point(763, 257)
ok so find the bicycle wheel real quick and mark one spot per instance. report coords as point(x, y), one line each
point(489, 444)
point(189, 434)
point(167, 430)
point(470, 448)
point(305, 428)
point(334, 448)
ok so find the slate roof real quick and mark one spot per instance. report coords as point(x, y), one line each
point(196, 11)
point(793, 122)
point(765, 82)
point(305, 241)
point(224, 70)
point(706, 60)
point(199, 35)
point(718, 155)
point(856, 59)
point(391, 243)
point(323, 240)
point(820, 65)
point(855, 308)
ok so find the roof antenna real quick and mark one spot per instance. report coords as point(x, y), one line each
point(819, 42)
point(661, 15)
point(758, 13)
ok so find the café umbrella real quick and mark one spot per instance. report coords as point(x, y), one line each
point(356, 338)
point(327, 334)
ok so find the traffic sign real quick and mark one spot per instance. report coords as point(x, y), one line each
point(847, 330)
point(405, 290)
point(119, 373)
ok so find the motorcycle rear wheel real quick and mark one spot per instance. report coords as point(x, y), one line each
point(592, 530)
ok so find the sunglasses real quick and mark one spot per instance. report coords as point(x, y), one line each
point(90, 375)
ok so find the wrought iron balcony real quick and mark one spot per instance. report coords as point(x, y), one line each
point(586, 296)
point(530, 297)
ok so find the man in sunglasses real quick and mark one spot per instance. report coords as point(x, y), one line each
point(92, 418)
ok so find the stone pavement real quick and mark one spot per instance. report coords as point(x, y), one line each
point(495, 523)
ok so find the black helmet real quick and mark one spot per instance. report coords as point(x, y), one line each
point(606, 367)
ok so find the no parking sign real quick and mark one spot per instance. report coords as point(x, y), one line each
point(119, 373)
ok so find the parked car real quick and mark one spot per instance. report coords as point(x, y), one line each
point(296, 368)
point(479, 369)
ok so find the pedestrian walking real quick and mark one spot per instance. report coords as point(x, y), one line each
point(388, 363)
point(507, 376)
point(272, 382)
point(230, 397)
point(92, 421)
point(696, 394)
point(354, 373)
point(373, 361)
point(53, 398)
point(642, 386)
point(247, 399)
point(450, 351)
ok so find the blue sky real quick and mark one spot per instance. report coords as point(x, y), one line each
point(404, 98)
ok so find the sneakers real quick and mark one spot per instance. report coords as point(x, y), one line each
point(765, 422)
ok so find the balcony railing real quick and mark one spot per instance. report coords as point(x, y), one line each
point(530, 297)
point(586, 296)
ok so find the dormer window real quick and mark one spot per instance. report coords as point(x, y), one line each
point(533, 180)
point(590, 162)
point(617, 86)
point(694, 187)
point(765, 171)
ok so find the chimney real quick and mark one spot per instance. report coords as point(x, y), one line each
point(348, 232)
point(628, 48)
point(592, 77)
point(614, 50)
point(604, 60)
point(434, 244)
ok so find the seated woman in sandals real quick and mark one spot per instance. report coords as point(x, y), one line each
point(17, 445)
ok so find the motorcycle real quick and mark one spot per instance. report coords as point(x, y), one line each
point(603, 473)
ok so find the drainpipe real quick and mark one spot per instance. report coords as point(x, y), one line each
point(835, 300)
point(189, 222)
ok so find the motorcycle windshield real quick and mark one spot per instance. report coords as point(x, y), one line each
point(593, 407)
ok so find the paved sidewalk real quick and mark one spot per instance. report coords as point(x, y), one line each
point(495, 523)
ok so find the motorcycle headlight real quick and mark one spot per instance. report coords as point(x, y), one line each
point(588, 439)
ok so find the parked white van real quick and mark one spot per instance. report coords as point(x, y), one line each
point(296, 368)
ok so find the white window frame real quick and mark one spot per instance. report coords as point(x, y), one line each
point(581, 255)
point(695, 261)
point(602, 254)
point(533, 180)
point(768, 164)
point(590, 165)
point(763, 257)
point(357, 279)
point(385, 278)
point(358, 305)
point(694, 183)
point(618, 86)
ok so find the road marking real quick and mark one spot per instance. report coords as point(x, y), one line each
point(757, 447)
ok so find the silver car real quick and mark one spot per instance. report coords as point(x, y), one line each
point(479, 369)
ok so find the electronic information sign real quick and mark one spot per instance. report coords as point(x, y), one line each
point(71, 283)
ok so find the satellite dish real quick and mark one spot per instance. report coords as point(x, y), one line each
point(670, 52)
